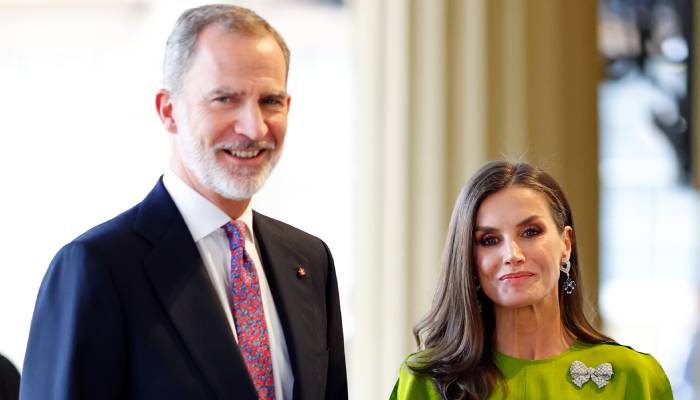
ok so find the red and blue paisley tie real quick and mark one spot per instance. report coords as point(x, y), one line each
point(248, 313)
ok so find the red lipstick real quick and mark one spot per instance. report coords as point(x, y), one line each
point(516, 276)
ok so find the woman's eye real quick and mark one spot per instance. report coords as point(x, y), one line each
point(488, 241)
point(531, 231)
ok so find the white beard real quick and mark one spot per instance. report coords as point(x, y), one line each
point(233, 183)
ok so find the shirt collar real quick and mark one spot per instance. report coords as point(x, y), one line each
point(201, 216)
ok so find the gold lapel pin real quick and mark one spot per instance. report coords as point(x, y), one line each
point(301, 272)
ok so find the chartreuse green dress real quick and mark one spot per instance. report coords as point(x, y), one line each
point(621, 373)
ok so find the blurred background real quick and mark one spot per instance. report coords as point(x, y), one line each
point(394, 104)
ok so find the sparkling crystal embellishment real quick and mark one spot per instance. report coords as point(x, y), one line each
point(600, 375)
point(569, 286)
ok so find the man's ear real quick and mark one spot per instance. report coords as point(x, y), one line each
point(164, 107)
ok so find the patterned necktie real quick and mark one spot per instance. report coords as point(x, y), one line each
point(248, 313)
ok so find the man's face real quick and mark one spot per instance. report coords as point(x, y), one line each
point(231, 113)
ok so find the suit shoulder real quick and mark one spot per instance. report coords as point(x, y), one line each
point(110, 229)
point(109, 240)
point(100, 242)
point(272, 225)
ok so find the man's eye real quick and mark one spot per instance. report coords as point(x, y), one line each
point(272, 101)
point(222, 99)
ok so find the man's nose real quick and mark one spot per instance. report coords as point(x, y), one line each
point(250, 122)
point(513, 253)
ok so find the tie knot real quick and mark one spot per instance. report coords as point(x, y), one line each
point(235, 231)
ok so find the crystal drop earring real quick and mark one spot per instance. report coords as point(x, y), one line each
point(569, 284)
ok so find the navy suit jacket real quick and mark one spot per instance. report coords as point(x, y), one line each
point(127, 311)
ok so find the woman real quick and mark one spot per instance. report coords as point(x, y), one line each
point(507, 320)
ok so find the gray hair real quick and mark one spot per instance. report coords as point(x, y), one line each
point(180, 47)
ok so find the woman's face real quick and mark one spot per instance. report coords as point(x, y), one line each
point(517, 247)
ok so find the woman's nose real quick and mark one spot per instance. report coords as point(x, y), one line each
point(514, 254)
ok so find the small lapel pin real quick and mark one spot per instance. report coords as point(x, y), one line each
point(301, 272)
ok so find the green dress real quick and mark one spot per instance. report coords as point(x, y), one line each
point(635, 376)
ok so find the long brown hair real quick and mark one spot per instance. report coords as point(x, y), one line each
point(456, 334)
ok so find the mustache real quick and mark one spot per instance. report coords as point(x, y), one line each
point(246, 145)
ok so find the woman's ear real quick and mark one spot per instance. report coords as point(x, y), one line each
point(567, 238)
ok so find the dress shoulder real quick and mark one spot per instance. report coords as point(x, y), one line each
point(643, 373)
point(410, 386)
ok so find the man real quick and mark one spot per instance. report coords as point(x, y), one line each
point(191, 294)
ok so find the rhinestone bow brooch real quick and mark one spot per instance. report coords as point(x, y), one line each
point(600, 375)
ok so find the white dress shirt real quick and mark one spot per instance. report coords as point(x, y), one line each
point(204, 221)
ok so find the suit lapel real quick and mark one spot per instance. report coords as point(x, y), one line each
point(295, 302)
point(182, 284)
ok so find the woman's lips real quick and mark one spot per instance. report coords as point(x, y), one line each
point(513, 276)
